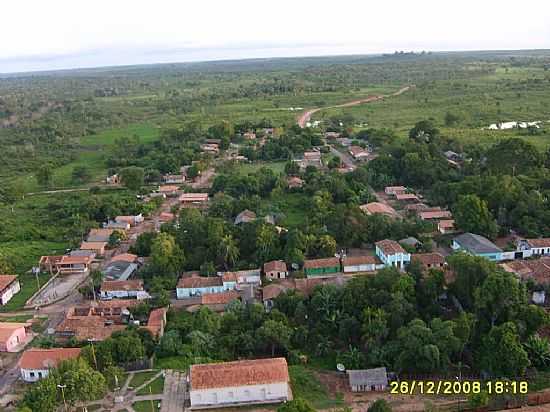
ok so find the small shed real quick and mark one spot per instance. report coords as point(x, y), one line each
point(367, 380)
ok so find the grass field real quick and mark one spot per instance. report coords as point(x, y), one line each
point(156, 387)
point(146, 406)
point(28, 287)
point(141, 377)
point(306, 386)
point(504, 96)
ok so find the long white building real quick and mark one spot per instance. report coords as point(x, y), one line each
point(246, 382)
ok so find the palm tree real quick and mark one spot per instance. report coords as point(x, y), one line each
point(229, 250)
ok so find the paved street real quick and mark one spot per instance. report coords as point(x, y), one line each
point(175, 392)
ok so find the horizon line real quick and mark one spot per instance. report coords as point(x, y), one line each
point(251, 59)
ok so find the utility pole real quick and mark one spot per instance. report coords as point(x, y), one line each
point(91, 341)
point(151, 393)
point(62, 387)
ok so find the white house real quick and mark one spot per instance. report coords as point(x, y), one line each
point(9, 286)
point(539, 247)
point(198, 285)
point(251, 382)
point(392, 253)
point(354, 264)
point(36, 363)
point(123, 289)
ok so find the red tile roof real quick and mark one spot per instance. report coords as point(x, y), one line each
point(406, 196)
point(6, 280)
point(219, 298)
point(92, 245)
point(390, 247)
point(46, 358)
point(272, 291)
point(7, 329)
point(435, 214)
point(275, 266)
point(124, 257)
point(194, 197)
point(239, 373)
point(428, 258)
point(75, 260)
point(126, 285)
point(321, 263)
point(168, 188)
point(359, 260)
point(166, 217)
point(446, 224)
point(377, 207)
point(544, 242)
point(200, 282)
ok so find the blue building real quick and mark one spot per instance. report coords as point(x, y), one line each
point(392, 253)
point(198, 285)
point(477, 245)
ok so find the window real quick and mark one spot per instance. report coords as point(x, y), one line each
point(32, 374)
point(230, 395)
point(247, 394)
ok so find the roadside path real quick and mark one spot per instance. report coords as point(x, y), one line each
point(306, 116)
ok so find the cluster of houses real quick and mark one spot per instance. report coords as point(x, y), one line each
point(412, 205)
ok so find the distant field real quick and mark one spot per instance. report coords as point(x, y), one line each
point(515, 95)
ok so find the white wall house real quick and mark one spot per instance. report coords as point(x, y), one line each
point(9, 286)
point(35, 364)
point(392, 253)
point(188, 287)
point(354, 264)
point(123, 289)
point(239, 383)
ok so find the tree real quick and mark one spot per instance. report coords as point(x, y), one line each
point(424, 131)
point(538, 350)
point(513, 156)
point(296, 405)
point(83, 383)
point(326, 246)
point(470, 273)
point(380, 405)
point(275, 334)
point(502, 353)
point(81, 174)
point(42, 396)
point(132, 177)
point(334, 163)
point(229, 250)
point(293, 168)
point(115, 238)
point(472, 215)
point(451, 119)
point(44, 175)
point(499, 297)
point(166, 256)
point(193, 171)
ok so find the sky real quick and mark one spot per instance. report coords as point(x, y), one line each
point(60, 34)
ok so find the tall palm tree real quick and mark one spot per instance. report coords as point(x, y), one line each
point(229, 250)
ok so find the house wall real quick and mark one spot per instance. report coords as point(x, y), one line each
point(241, 394)
point(33, 375)
point(398, 260)
point(120, 294)
point(183, 293)
point(8, 293)
point(276, 275)
point(15, 339)
point(496, 257)
point(371, 267)
point(540, 250)
point(322, 271)
point(367, 388)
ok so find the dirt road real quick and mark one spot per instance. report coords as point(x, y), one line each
point(306, 116)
